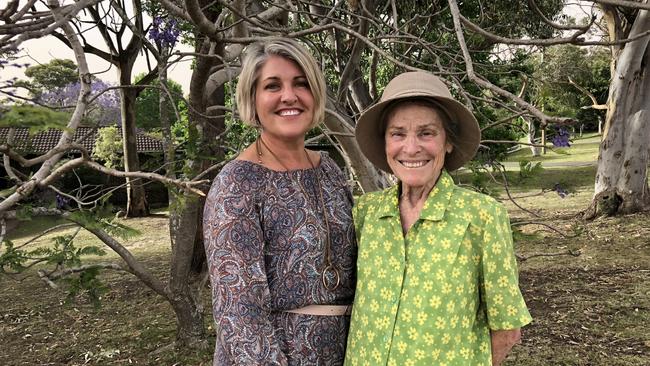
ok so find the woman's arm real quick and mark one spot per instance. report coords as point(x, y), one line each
point(502, 343)
point(499, 284)
point(234, 243)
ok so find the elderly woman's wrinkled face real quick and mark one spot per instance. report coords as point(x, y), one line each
point(416, 144)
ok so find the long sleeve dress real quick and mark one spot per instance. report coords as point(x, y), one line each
point(265, 244)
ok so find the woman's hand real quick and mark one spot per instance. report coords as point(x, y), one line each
point(502, 342)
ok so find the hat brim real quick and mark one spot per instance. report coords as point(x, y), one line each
point(372, 142)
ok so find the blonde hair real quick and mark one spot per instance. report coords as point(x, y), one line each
point(256, 55)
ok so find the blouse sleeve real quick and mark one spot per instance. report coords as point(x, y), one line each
point(500, 294)
point(234, 245)
point(359, 215)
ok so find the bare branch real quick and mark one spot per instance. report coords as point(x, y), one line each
point(573, 39)
point(574, 253)
point(75, 120)
point(594, 101)
point(626, 4)
point(533, 4)
point(486, 84)
point(45, 232)
point(85, 161)
point(61, 15)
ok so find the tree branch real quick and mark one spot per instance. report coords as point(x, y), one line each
point(623, 3)
point(573, 39)
point(594, 101)
point(85, 161)
point(486, 84)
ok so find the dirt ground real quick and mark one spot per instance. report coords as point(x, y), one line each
point(590, 308)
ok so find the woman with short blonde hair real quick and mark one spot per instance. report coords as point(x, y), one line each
point(256, 56)
point(278, 225)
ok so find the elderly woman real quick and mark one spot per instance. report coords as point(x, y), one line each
point(437, 276)
point(278, 224)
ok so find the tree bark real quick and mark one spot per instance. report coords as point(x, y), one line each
point(137, 205)
point(165, 123)
point(370, 178)
point(621, 180)
point(183, 222)
point(535, 150)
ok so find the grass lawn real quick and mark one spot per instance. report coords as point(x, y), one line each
point(584, 149)
point(586, 284)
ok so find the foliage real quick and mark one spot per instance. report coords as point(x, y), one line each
point(63, 254)
point(528, 170)
point(513, 19)
point(239, 136)
point(561, 137)
point(478, 180)
point(554, 70)
point(86, 282)
point(53, 75)
point(147, 108)
point(108, 147)
point(102, 218)
point(37, 118)
point(496, 151)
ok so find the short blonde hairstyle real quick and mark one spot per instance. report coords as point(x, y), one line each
point(256, 55)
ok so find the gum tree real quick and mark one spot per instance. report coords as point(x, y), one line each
point(621, 179)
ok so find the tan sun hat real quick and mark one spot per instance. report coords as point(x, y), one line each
point(418, 84)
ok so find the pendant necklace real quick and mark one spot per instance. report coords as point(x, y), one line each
point(330, 276)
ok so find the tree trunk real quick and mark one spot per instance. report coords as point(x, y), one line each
point(370, 178)
point(534, 150)
point(165, 124)
point(183, 222)
point(621, 180)
point(137, 205)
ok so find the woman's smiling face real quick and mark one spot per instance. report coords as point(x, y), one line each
point(416, 144)
point(283, 99)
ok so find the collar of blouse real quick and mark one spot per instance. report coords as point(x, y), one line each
point(435, 206)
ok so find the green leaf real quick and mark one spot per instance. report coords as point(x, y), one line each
point(37, 118)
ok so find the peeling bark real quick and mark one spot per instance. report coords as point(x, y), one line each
point(621, 180)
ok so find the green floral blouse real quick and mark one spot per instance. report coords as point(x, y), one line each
point(432, 296)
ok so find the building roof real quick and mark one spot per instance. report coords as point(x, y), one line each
point(45, 141)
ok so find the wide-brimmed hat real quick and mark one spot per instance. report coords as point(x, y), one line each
point(418, 84)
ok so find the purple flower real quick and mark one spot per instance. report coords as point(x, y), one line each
point(164, 32)
point(561, 137)
point(61, 201)
point(105, 110)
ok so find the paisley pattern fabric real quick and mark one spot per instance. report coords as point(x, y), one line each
point(265, 242)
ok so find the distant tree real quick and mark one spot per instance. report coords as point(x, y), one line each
point(147, 104)
point(53, 75)
point(104, 111)
point(123, 41)
point(108, 147)
point(567, 77)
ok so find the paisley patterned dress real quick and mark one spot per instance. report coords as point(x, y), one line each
point(265, 243)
